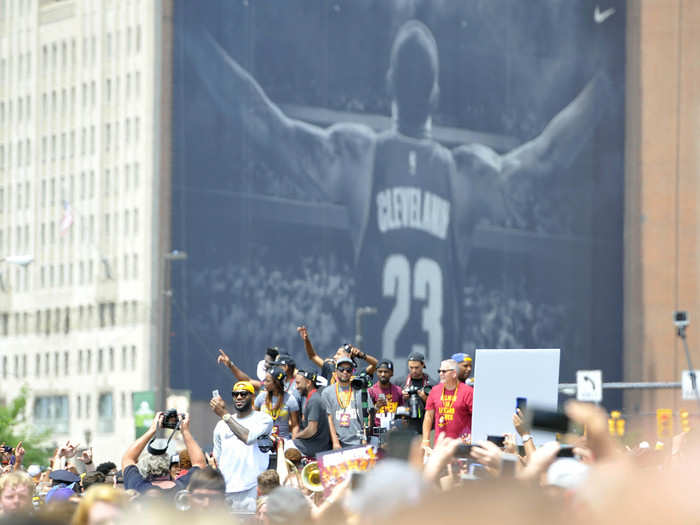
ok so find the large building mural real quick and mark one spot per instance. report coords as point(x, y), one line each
point(449, 174)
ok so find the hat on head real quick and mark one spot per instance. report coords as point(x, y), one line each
point(59, 494)
point(385, 363)
point(243, 385)
point(416, 356)
point(64, 476)
point(567, 473)
point(344, 360)
point(175, 458)
point(34, 470)
point(461, 357)
point(277, 373)
point(273, 352)
point(288, 504)
point(283, 359)
point(311, 376)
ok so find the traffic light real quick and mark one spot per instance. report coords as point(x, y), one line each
point(664, 423)
point(616, 425)
point(620, 427)
point(685, 423)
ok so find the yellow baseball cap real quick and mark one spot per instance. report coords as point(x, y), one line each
point(244, 385)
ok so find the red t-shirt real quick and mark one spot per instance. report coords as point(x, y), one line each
point(453, 410)
point(394, 398)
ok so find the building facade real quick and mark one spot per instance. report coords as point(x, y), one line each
point(78, 191)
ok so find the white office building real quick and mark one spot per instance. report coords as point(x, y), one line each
point(79, 192)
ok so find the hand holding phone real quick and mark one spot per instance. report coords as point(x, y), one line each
point(215, 394)
point(520, 404)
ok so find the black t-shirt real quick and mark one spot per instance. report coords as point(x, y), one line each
point(401, 382)
point(134, 480)
point(313, 410)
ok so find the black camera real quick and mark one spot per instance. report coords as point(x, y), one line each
point(413, 390)
point(415, 403)
point(361, 382)
point(171, 419)
point(266, 443)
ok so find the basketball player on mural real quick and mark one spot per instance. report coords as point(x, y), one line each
point(412, 204)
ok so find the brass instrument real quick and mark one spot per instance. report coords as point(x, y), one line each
point(311, 477)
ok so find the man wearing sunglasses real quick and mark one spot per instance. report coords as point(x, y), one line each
point(449, 405)
point(236, 451)
point(344, 407)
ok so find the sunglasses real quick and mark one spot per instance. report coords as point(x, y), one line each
point(239, 394)
point(445, 371)
point(344, 369)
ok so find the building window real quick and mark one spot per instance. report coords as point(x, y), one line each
point(133, 357)
point(51, 413)
point(105, 413)
point(100, 358)
point(79, 404)
point(80, 361)
point(111, 359)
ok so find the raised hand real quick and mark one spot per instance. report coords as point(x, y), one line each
point(303, 332)
point(223, 359)
point(218, 405)
point(489, 455)
point(86, 456)
point(509, 444)
point(540, 461)
point(158, 420)
point(519, 423)
point(19, 451)
point(68, 450)
point(212, 461)
point(185, 423)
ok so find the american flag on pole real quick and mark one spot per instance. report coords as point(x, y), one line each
point(67, 219)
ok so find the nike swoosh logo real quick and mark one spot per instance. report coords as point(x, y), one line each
point(601, 16)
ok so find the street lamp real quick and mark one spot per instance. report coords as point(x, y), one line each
point(359, 314)
point(163, 359)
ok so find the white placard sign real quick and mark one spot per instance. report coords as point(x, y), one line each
point(500, 377)
point(589, 385)
point(687, 384)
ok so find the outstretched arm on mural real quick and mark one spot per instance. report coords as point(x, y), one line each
point(239, 374)
point(304, 151)
point(482, 173)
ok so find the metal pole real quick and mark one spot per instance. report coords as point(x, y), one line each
point(359, 313)
point(164, 361)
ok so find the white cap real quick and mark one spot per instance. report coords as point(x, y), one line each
point(34, 470)
point(567, 473)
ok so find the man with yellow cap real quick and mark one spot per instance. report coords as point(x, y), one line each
point(236, 450)
point(464, 368)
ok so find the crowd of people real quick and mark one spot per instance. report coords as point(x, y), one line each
point(283, 419)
